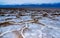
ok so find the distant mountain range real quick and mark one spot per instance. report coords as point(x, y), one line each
point(55, 5)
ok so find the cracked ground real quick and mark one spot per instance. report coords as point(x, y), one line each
point(29, 23)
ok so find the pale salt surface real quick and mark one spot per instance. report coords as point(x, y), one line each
point(33, 30)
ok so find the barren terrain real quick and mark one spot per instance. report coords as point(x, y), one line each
point(30, 23)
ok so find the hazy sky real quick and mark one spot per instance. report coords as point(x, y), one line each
point(28, 1)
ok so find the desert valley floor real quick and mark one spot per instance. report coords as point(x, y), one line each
point(29, 23)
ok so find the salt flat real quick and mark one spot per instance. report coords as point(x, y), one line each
point(30, 23)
